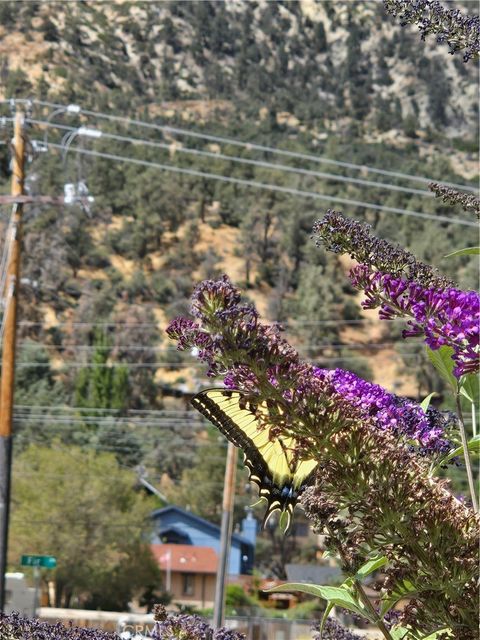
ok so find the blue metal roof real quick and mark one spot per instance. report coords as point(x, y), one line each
point(215, 529)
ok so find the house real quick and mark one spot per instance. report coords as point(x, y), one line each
point(187, 549)
point(190, 572)
point(174, 525)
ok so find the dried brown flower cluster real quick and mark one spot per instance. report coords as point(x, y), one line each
point(459, 30)
point(467, 201)
point(429, 537)
point(335, 232)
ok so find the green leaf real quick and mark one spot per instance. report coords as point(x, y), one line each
point(333, 595)
point(468, 251)
point(402, 590)
point(425, 403)
point(346, 584)
point(473, 445)
point(330, 606)
point(398, 633)
point(469, 387)
point(443, 362)
point(436, 634)
point(370, 566)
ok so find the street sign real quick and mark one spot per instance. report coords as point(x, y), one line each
point(39, 561)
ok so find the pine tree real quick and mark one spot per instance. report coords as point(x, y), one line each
point(320, 38)
point(102, 386)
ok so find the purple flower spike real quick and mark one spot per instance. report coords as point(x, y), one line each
point(182, 329)
point(213, 295)
point(391, 412)
point(459, 30)
point(467, 201)
point(340, 234)
point(448, 316)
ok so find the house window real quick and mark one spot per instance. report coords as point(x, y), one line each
point(188, 584)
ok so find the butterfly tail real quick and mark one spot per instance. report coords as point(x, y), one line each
point(286, 516)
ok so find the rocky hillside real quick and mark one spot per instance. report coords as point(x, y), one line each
point(338, 79)
point(324, 62)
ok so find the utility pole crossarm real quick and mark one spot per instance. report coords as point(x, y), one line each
point(8, 345)
point(24, 199)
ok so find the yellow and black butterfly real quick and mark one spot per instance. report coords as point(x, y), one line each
point(271, 464)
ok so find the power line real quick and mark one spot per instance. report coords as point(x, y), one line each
point(183, 430)
point(263, 185)
point(174, 365)
point(249, 145)
point(110, 525)
point(69, 422)
point(110, 437)
point(111, 424)
point(91, 417)
point(140, 412)
point(101, 365)
point(300, 347)
point(101, 413)
point(291, 323)
point(259, 163)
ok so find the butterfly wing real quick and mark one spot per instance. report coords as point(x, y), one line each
point(270, 463)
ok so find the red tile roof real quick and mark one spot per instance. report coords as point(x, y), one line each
point(185, 558)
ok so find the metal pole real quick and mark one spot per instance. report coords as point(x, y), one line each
point(36, 577)
point(225, 535)
point(8, 347)
point(168, 585)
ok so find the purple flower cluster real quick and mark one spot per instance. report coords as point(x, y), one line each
point(391, 412)
point(445, 317)
point(340, 234)
point(467, 201)
point(223, 324)
point(170, 626)
point(402, 286)
point(461, 32)
point(333, 630)
point(255, 359)
point(15, 627)
point(215, 296)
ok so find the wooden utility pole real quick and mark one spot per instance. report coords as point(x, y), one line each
point(225, 535)
point(10, 296)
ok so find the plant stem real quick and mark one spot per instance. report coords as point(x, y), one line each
point(361, 593)
point(466, 453)
point(378, 621)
